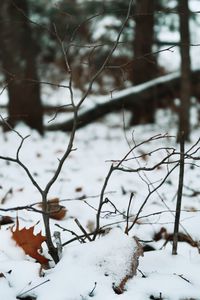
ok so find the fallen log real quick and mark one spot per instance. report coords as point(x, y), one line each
point(157, 93)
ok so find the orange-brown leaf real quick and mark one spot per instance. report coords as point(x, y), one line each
point(29, 242)
point(55, 210)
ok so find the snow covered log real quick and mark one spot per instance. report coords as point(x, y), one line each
point(157, 93)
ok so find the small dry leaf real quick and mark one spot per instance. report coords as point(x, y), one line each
point(20, 189)
point(4, 220)
point(38, 155)
point(182, 237)
point(79, 189)
point(29, 242)
point(159, 167)
point(190, 208)
point(144, 156)
point(55, 210)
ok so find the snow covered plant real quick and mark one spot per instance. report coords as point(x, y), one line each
point(130, 163)
point(149, 163)
point(75, 106)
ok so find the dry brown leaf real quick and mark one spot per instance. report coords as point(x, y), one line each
point(159, 167)
point(182, 237)
point(144, 156)
point(55, 210)
point(29, 242)
point(190, 208)
point(4, 220)
point(20, 189)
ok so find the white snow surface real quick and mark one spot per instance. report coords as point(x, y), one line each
point(106, 261)
point(89, 270)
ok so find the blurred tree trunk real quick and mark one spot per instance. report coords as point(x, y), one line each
point(165, 89)
point(144, 66)
point(18, 55)
point(185, 92)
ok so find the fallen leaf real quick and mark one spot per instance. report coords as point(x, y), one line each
point(79, 189)
point(190, 208)
point(144, 156)
point(20, 189)
point(182, 237)
point(159, 167)
point(38, 154)
point(4, 220)
point(55, 210)
point(29, 242)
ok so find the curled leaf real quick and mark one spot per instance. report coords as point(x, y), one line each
point(55, 210)
point(2, 275)
point(4, 220)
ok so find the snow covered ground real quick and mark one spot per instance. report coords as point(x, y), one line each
point(92, 269)
point(89, 270)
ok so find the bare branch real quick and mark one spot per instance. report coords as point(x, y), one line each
point(179, 194)
point(128, 212)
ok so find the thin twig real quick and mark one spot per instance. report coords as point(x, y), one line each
point(33, 288)
point(128, 212)
point(82, 229)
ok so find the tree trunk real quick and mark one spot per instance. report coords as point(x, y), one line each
point(18, 55)
point(165, 89)
point(185, 92)
point(144, 65)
